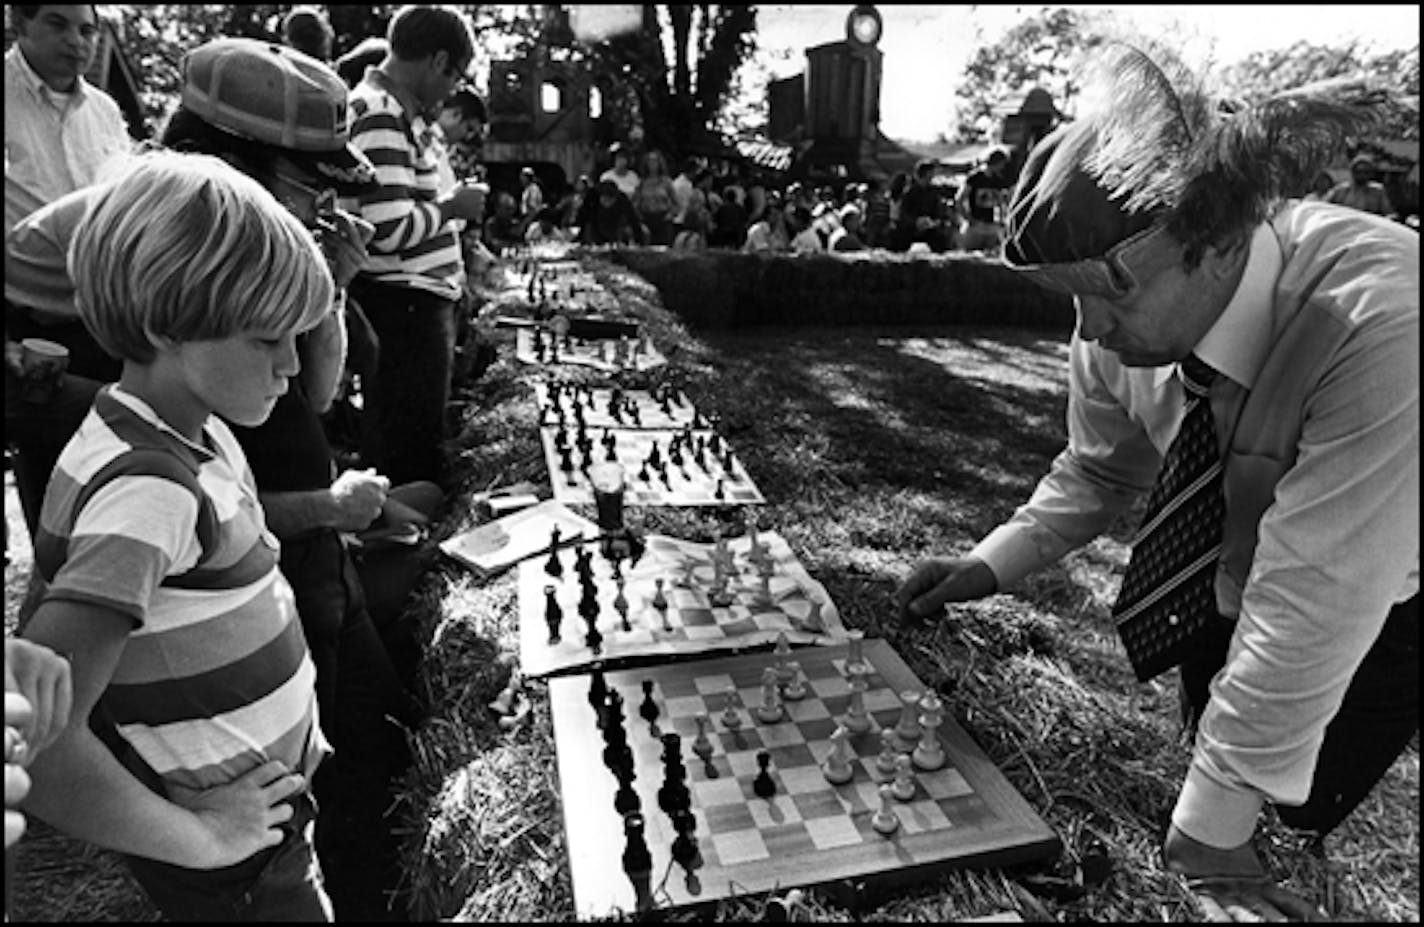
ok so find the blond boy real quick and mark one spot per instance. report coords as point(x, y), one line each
point(155, 572)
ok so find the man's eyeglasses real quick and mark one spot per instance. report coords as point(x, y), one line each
point(1114, 275)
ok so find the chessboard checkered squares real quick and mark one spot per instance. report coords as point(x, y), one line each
point(781, 734)
point(919, 816)
point(807, 709)
point(777, 811)
point(829, 832)
point(739, 846)
point(715, 797)
point(946, 782)
point(713, 684)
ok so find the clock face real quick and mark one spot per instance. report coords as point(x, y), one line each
point(865, 27)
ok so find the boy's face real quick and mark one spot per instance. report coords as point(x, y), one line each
point(239, 377)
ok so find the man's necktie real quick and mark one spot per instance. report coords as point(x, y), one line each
point(1167, 593)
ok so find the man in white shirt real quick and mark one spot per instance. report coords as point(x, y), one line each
point(1279, 339)
point(59, 128)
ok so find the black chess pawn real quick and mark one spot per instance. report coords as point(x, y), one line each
point(617, 755)
point(611, 452)
point(553, 614)
point(594, 638)
point(626, 800)
point(643, 474)
point(566, 460)
point(598, 692)
point(685, 851)
point(637, 861)
point(553, 566)
point(763, 785)
point(649, 709)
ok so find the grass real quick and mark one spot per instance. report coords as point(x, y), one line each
point(874, 448)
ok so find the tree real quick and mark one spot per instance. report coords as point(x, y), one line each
point(1265, 73)
point(1042, 50)
point(670, 81)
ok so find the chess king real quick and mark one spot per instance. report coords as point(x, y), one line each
point(1250, 361)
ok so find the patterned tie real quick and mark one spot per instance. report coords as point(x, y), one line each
point(1167, 593)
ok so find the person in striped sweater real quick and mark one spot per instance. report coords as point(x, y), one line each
point(414, 271)
point(195, 732)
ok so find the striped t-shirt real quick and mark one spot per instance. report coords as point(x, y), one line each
point(215, 678)
point(412, 247)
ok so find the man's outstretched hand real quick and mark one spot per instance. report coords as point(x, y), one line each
point(1231, 885)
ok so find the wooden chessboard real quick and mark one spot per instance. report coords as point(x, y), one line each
point(799, 606)
point(606, 354)
point(635, 409)
point(687, 484)
point(810, 832)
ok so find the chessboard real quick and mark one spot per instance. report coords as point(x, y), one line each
point(671, 476)
point(790, 602)
point(809, 831)
point(663, 407)
point(535, 346)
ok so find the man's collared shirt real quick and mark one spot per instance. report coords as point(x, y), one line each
point(55, 143)
point(1339, 544)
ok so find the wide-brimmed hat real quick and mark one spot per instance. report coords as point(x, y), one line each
point(280, 97)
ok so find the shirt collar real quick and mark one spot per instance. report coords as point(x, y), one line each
point(21, 68)
point(404, 97)
point(1236, 345)
point(144, 411)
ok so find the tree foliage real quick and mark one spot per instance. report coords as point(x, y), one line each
point(1042, 50)
point(670, 81)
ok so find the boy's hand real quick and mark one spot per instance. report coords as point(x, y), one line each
point(242, 817)
point(42, 677)
point(344, 245)
point(359, 495)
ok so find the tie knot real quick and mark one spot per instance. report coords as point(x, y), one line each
point(1197, 375)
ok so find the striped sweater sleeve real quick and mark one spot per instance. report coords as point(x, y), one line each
point(402, 219)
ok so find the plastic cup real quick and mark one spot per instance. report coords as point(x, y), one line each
point(43, 363)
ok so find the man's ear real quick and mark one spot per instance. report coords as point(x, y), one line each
point(1224, 261)
point(440, 61)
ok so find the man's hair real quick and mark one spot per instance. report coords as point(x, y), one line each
point(306, 29)
point(924, 167)
point(418, 31)
point(468, 103)
point(186, 132)
point(368, 53)
point(183, 246)
point(28, 11)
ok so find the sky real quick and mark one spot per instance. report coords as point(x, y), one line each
point(927, 47)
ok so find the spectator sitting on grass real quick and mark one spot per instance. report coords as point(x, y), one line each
point(191, 746)
point(846, 236)
point(768, 234)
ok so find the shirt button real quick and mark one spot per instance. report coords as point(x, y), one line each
point(1173, 620)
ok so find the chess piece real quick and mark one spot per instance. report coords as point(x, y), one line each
point(782, 651)
point(908, 729)
point(730, 719)
point(763, 594)
point(684, 847)
point(885, 821)
point(903, 788)
point(594, 638)
point(553, 566)
point(796, 689)
point(620, 605)
point(637, 861)
point(598, 692)
point(701, 744)
point(763, 785)
point(857, 719)
point(888, 760)
point(649, 709)
point(836, 767)
point(626, 800)
point(770, 710)
point(659, 599)
point(553, 614)
point(719, 493)
point(929, 754)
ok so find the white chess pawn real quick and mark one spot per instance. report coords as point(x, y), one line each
point(888, 760)
point(885, 821)
point(701, 745)
point(908, 730)
point(857, 719)
point(770, 710)
point(730, 719)
point(903, 787)
point(796, 688)
point(784, 675)
point(928, 753)
point(837, 768)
